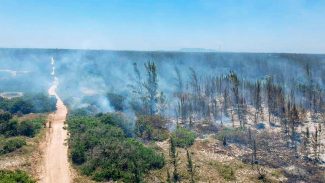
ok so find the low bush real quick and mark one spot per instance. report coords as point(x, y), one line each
point(151, 128)
point(9, 128)
point(30, 128)
point(12, 144)
point(5, 116)
point(226, 171)
point(101, 149)
point(7, 176)
point(183, 138)
point(233, 135)
point(120, 120)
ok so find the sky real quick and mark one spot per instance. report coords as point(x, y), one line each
point(296, 26)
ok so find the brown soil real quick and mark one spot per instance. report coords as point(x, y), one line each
point(56, 166)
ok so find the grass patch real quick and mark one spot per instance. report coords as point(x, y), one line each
point(276, 173)
point(225, 171)
point(183, 137)
point(233, 135)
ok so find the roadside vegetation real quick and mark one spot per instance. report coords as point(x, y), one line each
point(11, 144)
point(101, 149)
point(10, 126)
point(7, 176)
point(21, 121)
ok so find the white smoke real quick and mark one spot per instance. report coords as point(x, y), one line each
point(53, 66)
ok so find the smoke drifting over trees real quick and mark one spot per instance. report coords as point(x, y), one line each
point(233, 95)
point(87, 73)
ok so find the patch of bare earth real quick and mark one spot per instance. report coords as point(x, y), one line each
point(55, 167)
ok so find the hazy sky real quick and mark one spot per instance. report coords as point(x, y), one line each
point(223, 25)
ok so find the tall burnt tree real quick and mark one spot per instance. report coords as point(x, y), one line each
point(181, 108)
point(238, 101)
point(139, 101)
point(257, 100)
point(151, 86)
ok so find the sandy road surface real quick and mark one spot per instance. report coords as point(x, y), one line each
point(56, 167)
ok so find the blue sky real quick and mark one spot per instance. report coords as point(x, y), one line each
point(223, 25)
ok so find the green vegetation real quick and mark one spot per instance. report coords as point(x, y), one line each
point(190, 166)
point(183, 138)
point(11, 144)
point(30, 128)
point(174, 158)
point(11, 130)
point(7, 176)
point(36, 103)
point(233, 135)
point(11, 127)
point(226, 171)
point(119, 120)
point(151, 128)
point(101, 149)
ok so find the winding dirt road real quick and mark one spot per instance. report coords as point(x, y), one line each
point(56, 167)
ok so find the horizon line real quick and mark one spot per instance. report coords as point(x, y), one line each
point(176, 51)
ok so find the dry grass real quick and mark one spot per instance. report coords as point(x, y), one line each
point(213, 163)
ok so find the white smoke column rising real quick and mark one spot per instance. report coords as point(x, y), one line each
point(52, 90)
point(53, 66)
point(52, 61)
point(104, 105)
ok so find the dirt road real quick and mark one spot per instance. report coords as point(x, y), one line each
point(56, 167)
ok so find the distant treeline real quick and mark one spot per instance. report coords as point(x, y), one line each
point(30, 103)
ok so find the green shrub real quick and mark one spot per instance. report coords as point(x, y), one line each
point(7, 176)
point(226, 171)
point(27, 128)
point(151, 128)
point(5, 116)
point(19, 105)
point(102, 151)
point(233, 135)
point(12, 144)
point(30, 128)
point(183, 137)
point(78, 153)
point(118, 119)
point(9, 128)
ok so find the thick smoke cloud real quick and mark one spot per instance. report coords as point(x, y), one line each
point(85, 77)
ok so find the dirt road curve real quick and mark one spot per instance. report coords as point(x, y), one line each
point(56, 166)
